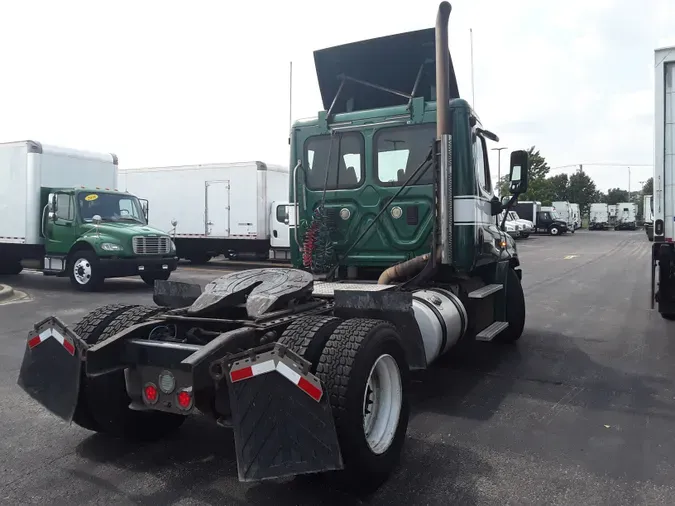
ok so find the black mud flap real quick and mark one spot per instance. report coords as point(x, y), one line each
point(283, 425)
point(50, 371)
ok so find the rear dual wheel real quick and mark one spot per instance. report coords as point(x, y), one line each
point(362, 366)
point(103, 404)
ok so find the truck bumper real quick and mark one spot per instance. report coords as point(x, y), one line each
point(120, 267)
point(281, 416)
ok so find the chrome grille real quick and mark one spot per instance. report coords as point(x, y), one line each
point(151, 245)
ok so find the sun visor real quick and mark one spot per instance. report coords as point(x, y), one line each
point(392, 62)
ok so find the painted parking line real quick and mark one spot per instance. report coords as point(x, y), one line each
point(570, 257)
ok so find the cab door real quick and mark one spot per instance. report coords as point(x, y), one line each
point(59, 224)
point(280, 223)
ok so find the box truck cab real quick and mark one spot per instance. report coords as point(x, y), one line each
point(544, 219)
point(87, 232)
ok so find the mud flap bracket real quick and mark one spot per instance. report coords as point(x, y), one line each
point(50, 371)
point(282, 420)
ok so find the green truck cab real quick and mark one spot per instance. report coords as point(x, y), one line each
point(93, 235)
point(87, 231)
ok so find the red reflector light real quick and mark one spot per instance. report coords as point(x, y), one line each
point(34, 341)
point(241, 374)
point(314, 392)
point(150, 393)
point(184, 399)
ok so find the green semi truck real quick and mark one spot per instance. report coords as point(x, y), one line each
point(63, 216)
point(398, 257)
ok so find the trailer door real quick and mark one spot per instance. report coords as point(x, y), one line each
point(217, 208)
point(280, 223)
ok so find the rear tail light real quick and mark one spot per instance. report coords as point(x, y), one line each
point(184, 399)
point(150, 393)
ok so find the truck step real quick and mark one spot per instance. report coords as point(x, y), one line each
point(484, 291)
point(489, 333)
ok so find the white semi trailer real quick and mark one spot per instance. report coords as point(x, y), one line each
point(234, 209)
point(663, 252)
point(599, 216)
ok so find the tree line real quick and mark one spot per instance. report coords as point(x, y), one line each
point(578, 187)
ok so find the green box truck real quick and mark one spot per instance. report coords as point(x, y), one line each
point(64, 216)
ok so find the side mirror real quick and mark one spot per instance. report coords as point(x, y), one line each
point(495, 207)
point(519, 171)
point(505, 202)
point(51, 206)
point(145, 206)
point(174, 223)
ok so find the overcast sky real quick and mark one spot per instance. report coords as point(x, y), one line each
point(168, 82)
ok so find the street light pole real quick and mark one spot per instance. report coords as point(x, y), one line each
point(499, 165)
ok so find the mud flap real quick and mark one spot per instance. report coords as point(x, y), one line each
point(283, 424)
point(50, 371)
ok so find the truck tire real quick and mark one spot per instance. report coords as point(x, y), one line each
point(10, 267)
point(364, 372)
point(149, 279)
point(84, 269)
point(515, 309)
point(108, 398)
point(554, 230)
point(89, 328)
point(308, 335)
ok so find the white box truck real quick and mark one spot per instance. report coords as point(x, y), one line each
point(63, 215)
point(663, 249)
point(598, 217)
point(576, 215)
point(612, 210)
point(626, 217)
point(234, 209)
point(564, 210)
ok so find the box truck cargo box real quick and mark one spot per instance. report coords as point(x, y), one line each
point(235, 209)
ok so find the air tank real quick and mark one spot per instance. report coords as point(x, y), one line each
point(442, 320)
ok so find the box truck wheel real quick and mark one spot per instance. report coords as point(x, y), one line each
point(10, 267)
point(107, 394)
point(149, 279)
point(554, 230)
point(84, 268)
point(365, 373)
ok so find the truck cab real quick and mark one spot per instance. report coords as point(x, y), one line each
point(92, 234)
point(549, 220)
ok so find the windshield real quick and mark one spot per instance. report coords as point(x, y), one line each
point(513, 215)
point(110, 207)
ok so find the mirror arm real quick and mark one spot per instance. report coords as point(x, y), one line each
point(506, 207)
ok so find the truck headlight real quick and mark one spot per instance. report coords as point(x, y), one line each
point(109, 246)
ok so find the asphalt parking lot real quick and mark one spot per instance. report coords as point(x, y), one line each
point(580, 411)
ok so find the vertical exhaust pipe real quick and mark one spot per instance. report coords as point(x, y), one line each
point(444, 210)
point(442, 70)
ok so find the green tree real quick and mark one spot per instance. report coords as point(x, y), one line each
point(648, 187)
point(616, 195)
point(538, 185)
point(581, 190)
point(559, 187)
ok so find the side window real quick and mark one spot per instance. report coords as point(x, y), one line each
point(342, 155)
point(400, 150)
point(481, 163)
point(282, 214)
point(65, 208)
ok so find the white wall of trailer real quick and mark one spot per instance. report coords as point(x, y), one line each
point(186, 194)
point(27, 166)
point(664, 141)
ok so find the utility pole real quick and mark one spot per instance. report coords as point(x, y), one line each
point(473, 96)
point(499, 166)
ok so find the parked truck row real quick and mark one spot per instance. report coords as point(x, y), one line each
point(621, 216)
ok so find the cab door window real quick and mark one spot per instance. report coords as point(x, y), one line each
point(65, 207)
point(481, 165)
